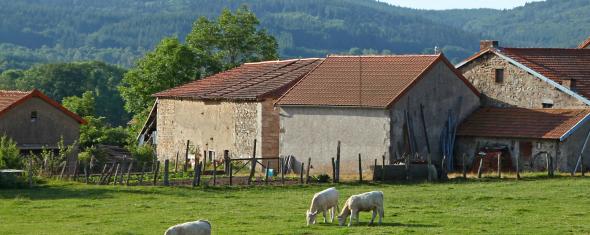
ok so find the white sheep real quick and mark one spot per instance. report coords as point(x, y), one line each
point(323, 201)
point(362, 202)
point(199, 227)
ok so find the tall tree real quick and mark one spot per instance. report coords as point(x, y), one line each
point(169, 65)
point(232, 39)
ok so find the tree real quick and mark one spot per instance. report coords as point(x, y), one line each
point(169, 65)
point(83, 106)
point(9, 154)
point(232, 39)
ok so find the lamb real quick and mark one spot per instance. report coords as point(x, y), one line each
point(323, 201)
point(199, 227)
point(362, 202)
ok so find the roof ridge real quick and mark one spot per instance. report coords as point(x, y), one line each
point(300, 80)
point(381, 56)
point(278, 61)
point(294, 69)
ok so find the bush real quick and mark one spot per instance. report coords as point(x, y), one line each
point(8, 180)
point(323, 178)
point(143, 153)
point(9, 154)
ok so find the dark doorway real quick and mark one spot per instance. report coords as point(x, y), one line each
point(526, 153)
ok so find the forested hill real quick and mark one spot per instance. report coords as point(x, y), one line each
point(118, 32)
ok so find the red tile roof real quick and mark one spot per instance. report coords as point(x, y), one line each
point(251, 81)
point(11, 99)
point(556, 64)
point(522, 123)
point(585, 44)
point(367, 81)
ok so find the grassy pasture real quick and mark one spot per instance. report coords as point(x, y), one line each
point(535, 205)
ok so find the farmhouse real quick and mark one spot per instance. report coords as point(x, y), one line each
point(535, 102)
point(534, 135)
point(226, 111)
point(530, 77)
point(35, 121)
point(372, 104)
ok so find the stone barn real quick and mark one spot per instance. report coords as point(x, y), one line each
point(552, 83)
point(372, 104)
point(226, 111)
point(35, 121)
point(533, 135)
point(530, 77)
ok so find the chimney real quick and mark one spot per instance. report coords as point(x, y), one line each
point(486, 44)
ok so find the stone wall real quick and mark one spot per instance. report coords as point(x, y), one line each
point(439, 92)
point(209, 125)
point(519, 89)
point(470, 145)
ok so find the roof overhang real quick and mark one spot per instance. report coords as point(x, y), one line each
point(575, 127)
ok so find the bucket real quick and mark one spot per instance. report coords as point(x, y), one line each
point(271, 172)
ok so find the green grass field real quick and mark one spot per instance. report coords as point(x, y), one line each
point(535, 205)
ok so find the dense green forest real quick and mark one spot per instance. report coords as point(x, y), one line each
point(119, 32)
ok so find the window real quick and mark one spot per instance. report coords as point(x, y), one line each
point(547, 105)
point(499, 75)
point(34, 116)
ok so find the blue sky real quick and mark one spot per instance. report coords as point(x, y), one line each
point(461, 4)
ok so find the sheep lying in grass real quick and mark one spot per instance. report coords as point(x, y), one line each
point(323, 201)
point(362, 202)
point(199, 227)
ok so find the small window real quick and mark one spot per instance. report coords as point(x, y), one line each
point(499, 75)
point(547, 105)
point(34, 116)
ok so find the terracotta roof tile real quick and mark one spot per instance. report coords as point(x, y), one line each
point(556, 64)
point(368, 81)
point(585, 44)
point(10, 99)
point(250, 81)
point(521, 123)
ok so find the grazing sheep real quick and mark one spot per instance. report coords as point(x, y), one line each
point(199, 227)
point(362, 202)
point(323, 201)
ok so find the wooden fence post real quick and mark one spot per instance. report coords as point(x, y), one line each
point(176, 163)
point(517, 166)
point(253, 165)
point(129, 172)
point(166, 172)
point(360, 170)
point(156, 172)
point(226, 161)
point(197, 176)
point(307, 175)
point(301, 171)
point(204, 159)
point(337, 177)
point(375, 170)
point(75, 176)
point(118, 168)
point(480, 166)
point(550, 165)
point(61, 175)
point(499, 165)
point(383, 168)
point(267, 171)
point(185, 167)
point(214, 172)
point(333, 170)
point(429, 164)
point(140, 180)
point(464, 166)
point(110, 174)
point(282, 165)
point(121, 174)
point(230, 173)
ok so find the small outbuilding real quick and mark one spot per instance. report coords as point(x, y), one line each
point(35, 121)
point(374, 105)
point(532, 135)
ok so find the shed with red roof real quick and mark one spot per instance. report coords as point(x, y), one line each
point(35, 121)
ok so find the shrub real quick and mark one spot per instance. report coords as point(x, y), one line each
point(143, 153)
point(9, 154)
point(323, 178)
